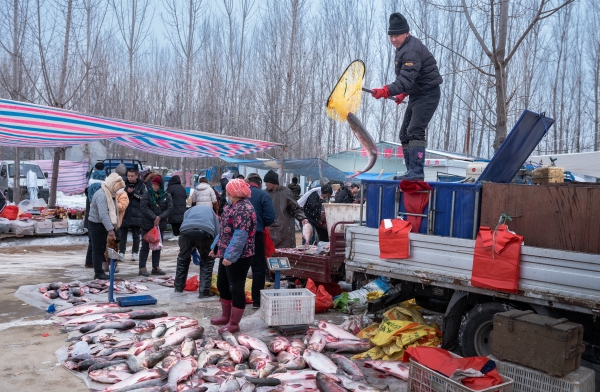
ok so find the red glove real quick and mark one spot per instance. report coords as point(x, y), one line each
point(400, 98)
point(381, 92)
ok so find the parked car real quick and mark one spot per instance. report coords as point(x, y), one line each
point(7, 174)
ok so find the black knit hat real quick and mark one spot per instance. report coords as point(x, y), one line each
point(271, 177)
point(398, 24)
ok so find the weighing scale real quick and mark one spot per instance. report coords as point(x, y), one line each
point(135, 300)
point(276, 265)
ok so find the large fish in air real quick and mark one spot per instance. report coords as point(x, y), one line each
point(365, 140)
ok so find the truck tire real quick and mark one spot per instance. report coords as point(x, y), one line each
point(474, 337)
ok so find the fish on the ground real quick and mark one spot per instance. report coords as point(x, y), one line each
point(110, 375)
point(147, 314)
point(94, 317)
point(348, 366)
point(158, 331)
point(52, 294)
point(229, 338)
point(284, 357)
point(230, 385)
point(188, 347)
point(319, 361)
point(365, 139)
point(336, 331)
point(349, 346)
point(106, 363)
point(297, 363)
point(155, 357)
point(92, 309)
point(317, 342)
point(278, 344)
point(394, 368)
point(138, 379)
point(120, 325)
point(144, 326)
point(179, 336)
point(239, 353)
point(295, 375)
point(328, 384)
point(178, 372)
point(252, 343)
point(356, 386)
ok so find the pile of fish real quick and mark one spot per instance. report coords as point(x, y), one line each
point(146, 350)
point(74, 292)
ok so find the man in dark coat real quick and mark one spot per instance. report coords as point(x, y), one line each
point(313, 209)
point(417, 76)
point(265, 216)
point(156, 206)
point(347, 194)
point(179, 196)
point(135, 189)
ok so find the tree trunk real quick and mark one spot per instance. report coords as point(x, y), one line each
point(501, 114)
point(54, 182)
point(17, 179)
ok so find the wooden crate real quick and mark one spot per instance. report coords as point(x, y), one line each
point(548, 175)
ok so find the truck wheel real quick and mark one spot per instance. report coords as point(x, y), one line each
point(474, 338)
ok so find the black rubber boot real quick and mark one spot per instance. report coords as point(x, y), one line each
point(406, 153)
point(416, 155)
point(181, 274)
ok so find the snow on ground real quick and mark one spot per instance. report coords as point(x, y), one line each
point(72, 201)
point(45, 241)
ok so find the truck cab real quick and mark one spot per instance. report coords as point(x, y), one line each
point(213, 174)
point(7, 174)
point(111, 164)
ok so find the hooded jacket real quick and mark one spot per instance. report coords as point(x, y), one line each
point(150, 210)
point(179, 196)
point(204, 195)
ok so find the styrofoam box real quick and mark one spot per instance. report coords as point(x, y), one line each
point(60, 226)
point(43, 227)
point(531, 380)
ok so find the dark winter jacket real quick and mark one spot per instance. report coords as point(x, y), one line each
point(312, 209)
point(3, 201)
point(344, 196)
point(263, 206)
point(295, 188)
point(178, 195)
point(150, 210)
point(133, 213)
point(223, 196)
point(416, 69)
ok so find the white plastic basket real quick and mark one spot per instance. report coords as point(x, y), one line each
point(423, 379)
point(531, 380)
point(287, 307)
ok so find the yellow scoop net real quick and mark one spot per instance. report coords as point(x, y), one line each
point(346, 95)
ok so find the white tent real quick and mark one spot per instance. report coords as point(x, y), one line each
point(585, 163)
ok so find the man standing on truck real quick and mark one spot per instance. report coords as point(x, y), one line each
point(417, 76)
point(265, 216)
point(283, 230)
point(135, 189)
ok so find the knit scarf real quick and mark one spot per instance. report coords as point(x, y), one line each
point(157, 196)
point(112, 206)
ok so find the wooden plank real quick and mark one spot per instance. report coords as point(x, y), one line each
point(553, 216)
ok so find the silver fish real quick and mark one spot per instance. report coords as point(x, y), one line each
point(348, 346)
point(295, 375)
point(297, 363)
point(348, 366)
point(158, 331)
point(252, 343)
point(239, 353)
point(230, 385)
point(278, 344)
point(188, 347)
point(328, 384)
point(180, 371)
point(152, 359)
point(171, 330)
point(229, 338)
point(319, 361)
point(137, 379)
point(365, 139)
point(90, 309)
point(356, 386)
point(336, 332)
point(179, 336)
point(317, 342)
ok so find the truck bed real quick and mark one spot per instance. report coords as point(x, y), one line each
point(548, 277)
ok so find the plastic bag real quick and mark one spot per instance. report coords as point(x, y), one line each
point(80, 348)
point(158, 245)
point(26, 205)
point(153, 236)
point(269, 246)
point(323, 300)
point(22, 227)
point(39, 203)
point(192, 284)
point(10, 212)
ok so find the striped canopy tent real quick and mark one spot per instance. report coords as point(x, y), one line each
point(28, 125)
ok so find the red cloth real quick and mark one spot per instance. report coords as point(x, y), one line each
point(10, 212)
point(269, 246)
point(496, 259)
point(414, 202)
point(394, 242)
point(443, 362)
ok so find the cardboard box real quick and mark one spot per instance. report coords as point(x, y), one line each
point(43, 227)
point(60, 227)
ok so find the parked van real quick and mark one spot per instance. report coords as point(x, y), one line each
point(7, 174)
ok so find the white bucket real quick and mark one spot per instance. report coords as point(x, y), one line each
point(340, 212)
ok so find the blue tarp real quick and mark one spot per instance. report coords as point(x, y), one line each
point(303, 167)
